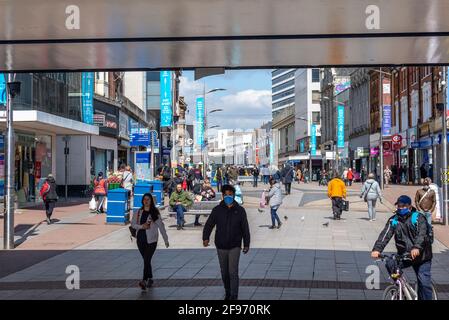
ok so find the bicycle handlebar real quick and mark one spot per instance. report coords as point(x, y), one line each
point(405, 256)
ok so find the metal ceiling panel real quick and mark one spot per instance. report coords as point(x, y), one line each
point(114, 19)
point(233, 54)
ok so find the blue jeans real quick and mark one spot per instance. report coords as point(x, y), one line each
point(274, 216)
point(179, 214)
point(424, 280)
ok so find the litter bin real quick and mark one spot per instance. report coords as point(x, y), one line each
point(118, 206)
point(158, 191)
point(139, 190)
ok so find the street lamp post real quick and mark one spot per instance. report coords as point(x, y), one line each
point(203, 157)
point(13, 89)
point(445, 168)
point(381, 147)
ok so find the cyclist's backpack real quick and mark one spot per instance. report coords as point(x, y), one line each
point(415, 215)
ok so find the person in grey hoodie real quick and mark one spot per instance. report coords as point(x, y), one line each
point(371, 193)
point(275, 198)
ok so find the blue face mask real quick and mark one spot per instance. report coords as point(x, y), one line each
point(228, 200)
point(403, 211)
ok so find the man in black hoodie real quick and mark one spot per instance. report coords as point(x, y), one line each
point(411, 234)
point(232, 228)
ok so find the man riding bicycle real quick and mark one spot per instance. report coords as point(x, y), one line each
point(410, 237)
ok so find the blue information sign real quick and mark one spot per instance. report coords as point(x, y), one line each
point(87, 97)
point(199, 132)
point(3, 93)
point(340, 126)
point(386, 124)
point(166, 99)
point(313, 140)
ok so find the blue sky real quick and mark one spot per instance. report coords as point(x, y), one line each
point(246, 101)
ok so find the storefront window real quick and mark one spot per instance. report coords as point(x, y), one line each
point(33, 163)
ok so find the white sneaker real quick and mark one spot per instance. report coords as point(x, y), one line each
point(373, 220)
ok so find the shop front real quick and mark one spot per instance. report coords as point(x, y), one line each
point(33, 157)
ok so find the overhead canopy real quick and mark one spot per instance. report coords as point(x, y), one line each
point(153, 34)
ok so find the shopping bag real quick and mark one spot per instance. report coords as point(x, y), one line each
point(105, 204)
point(345, 205)
point(263, 200)
point(92, 204)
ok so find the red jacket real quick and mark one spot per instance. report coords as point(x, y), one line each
point(350, 175)
point(44, 190)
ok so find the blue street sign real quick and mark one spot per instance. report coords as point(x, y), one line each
point(313, 140)
point(87, 97)
point(199, 132)
point(3, 93)
point(386, 122)
point(166, 99)
point(140, 139)
point(340, 126)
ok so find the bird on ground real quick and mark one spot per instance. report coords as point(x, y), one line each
point(326, 224)
point(285, 217)
point(260, 210)
point(302, 218)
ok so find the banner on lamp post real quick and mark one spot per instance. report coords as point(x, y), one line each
point(313, 140)
point(166, 99)
point(3, 92)
point(386, 121)
point(87, 97)
point(340, 126)
point(199, 128)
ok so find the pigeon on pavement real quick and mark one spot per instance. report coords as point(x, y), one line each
point(260, 210)
point(326, 224)
point(285, 217)
point(302, 218)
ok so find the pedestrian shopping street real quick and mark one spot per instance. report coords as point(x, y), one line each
point(310, 257)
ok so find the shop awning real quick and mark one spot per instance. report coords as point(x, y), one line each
point(38, 121)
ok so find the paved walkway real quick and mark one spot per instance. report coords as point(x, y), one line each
point(310, 257)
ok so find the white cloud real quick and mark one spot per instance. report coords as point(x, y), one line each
point(246, 109)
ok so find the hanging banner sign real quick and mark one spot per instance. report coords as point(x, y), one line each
point(313, 141)
point(340, 126)
point(386, 121)
point(199, 128)
point(3, 93)
point(166, 99)
point(87, 97)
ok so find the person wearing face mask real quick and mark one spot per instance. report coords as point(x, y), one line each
point(411, 234)
point(232, 229)
point(426, 200)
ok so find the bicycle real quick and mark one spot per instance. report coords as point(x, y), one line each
point(401, 288)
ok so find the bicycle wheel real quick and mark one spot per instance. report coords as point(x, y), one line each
point(434, 291)
point(391, 293)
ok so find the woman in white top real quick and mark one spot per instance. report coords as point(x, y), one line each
point(147, 221)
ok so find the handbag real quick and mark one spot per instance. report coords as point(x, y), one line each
point(131, 229)
point(345, 205)
point(365, 197)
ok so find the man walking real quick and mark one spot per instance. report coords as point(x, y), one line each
point(232, 228)
point(255, 173)
point(179, 201)
point(287, 178)
point(336, 191)
point(426, 200)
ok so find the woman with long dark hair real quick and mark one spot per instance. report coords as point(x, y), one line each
point(148, 222)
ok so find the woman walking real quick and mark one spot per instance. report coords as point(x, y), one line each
point(100, 191)
point(275, 199)
point(49, 195)
point(147, 221)
point(371, 193)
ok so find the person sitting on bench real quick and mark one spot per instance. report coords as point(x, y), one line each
point(180, 200)
point(207, 193)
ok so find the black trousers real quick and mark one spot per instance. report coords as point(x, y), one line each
point(147, 251)
point(255, 178)
point(337, 206)
point(288, 187)
point(49, 207)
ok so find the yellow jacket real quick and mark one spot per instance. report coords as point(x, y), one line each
point(336, 188)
